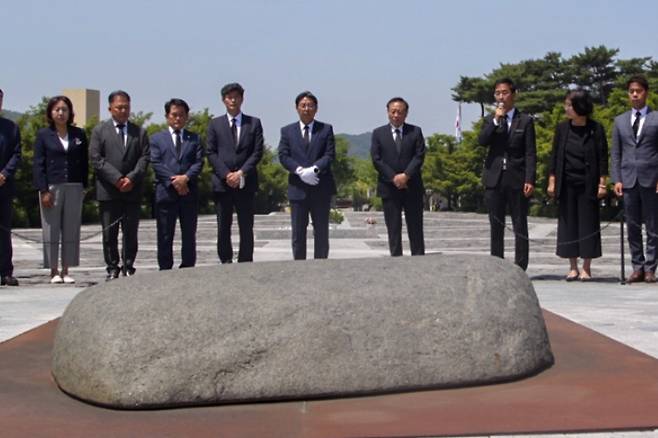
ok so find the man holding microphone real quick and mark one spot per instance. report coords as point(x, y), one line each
point(509, 170)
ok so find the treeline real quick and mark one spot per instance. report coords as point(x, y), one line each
point(452, 170)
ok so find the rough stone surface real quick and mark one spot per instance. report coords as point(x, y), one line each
point(298, 330)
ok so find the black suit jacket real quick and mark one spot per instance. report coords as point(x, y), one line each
point(112, 161)
point(293, 153)
point(10, 155)
point(596, 156)
point(517, 146)
point(388, 162)
point(224, 156)
point(54, 165)
point(166, 164)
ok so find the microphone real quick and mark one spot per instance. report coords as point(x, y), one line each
point(500, 105)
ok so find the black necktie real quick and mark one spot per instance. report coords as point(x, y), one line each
point(503, 124)
point(122, 136)
point(307, 139)
point(398, 140)
point(234, 131)
point(178, 143)
point(636, 123)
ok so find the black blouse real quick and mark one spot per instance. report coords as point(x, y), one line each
point(574, 154)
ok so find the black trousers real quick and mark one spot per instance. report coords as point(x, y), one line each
point(498, 199)
point(127, 214)
point(578, 223)
point(243, 204)
point(641, 205)
point(166, 215)
point(412, 204)
point(6, 266)
point(318, 208)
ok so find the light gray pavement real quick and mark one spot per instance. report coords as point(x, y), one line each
point(627, 313)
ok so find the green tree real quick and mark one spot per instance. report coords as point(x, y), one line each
point(343, 168)
point(596, 70)
point(473, 90)
point(364, 185)
point(272, 184)
point(453, 170)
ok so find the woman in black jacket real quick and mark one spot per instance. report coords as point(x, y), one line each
point(60, 172)
point(577, 179)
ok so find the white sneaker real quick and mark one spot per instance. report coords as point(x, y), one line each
point(56, 279)
point(68, 280)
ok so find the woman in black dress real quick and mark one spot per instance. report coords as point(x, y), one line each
point(577, 179)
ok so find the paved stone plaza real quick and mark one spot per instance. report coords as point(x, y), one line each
point(627, 313)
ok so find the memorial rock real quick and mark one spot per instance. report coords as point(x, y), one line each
point(300, 330)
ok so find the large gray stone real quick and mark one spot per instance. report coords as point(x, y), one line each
point(284, 330)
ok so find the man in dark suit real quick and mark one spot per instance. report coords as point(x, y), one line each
point(398, 152)
point(509, 170)
point(235, 146)
point(10, 156)
point(635, 173)
point(177, 160)
point(306, 150)
point(119, 152)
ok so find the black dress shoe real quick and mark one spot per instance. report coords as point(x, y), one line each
point(129, 272)
point(112, 275)
point(9, 281)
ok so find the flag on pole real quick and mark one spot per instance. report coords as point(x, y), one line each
point(458, 124)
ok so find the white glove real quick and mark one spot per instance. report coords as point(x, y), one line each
point(308, 175)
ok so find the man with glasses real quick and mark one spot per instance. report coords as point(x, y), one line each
point(10, 156)
point(509, 170)
point(306, 150)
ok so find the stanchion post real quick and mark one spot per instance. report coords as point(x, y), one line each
point(621, 247)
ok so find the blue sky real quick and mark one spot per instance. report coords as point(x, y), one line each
point(354, 55)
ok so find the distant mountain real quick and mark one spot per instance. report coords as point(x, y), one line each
point(359, 144)
point(11, 115)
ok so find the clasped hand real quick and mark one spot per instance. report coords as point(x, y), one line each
point(124, 184)
point(179, 182)
point(308, 175)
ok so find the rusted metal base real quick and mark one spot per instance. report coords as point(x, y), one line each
point(596, 384)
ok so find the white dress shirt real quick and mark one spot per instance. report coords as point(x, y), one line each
point(643, 117)
point(238, 122)
point(125, 130)
point(393, 128)
point(173, 135)
point(310, 129)
point(64, 141)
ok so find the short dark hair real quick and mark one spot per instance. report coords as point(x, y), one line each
point(176, 102)
point(581, 102)
point(51, 104)
point(229, 88)
point(117, 93)
point(308, 95)
point(638, 79)
point(507, 81)
point(2, 93)
point(398, 99)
